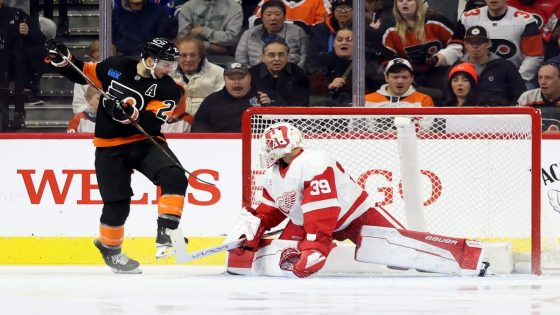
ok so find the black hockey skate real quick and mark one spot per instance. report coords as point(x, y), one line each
point(117, 261)
point(484, 269)
point(164, 246)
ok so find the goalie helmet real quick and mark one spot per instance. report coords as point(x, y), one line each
point(161, 49)
point(278, 140)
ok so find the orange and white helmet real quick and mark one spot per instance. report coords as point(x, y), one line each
point(278, 140)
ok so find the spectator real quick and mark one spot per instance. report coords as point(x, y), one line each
point(79, 101)
point(217, 23)
point(137, 21)
point(514, 34)
point(172, 6)
point(329, 73)
point(48, 5)
point(545, 12)
point(304, 13)
point(84, 122)
point(198, 77)
point(462, 86)
point(21, 55)
point(398, 92)
point(379, 15)
point(322, 34)
point(221, 111)
point(249, 49)
point(276, 74)
point(499, 82)
point(546, 98)
point(423, 37)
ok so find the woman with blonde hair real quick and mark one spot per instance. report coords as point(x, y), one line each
point(423, 37)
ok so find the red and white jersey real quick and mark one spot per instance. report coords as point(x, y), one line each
point(515, 37)
point(313, 191)
point(546, 12)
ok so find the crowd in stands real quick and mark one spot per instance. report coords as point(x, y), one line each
point(239, 54)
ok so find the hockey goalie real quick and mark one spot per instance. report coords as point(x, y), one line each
point(324, 204)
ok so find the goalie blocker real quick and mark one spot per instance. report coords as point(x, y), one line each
point(377, 245)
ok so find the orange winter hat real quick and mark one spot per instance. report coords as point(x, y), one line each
point(465, 68)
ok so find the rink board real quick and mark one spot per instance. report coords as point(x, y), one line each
point(50, 205)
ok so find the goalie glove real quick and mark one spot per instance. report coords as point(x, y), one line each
point(249, 227)
point(56, 50)
point(119, 111)
point(309, 257)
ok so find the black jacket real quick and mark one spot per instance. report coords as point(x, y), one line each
point(499, 83)
point(221, 112)
point(292, 84)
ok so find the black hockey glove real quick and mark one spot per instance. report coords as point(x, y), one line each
point(120, 111)
point(57, 49)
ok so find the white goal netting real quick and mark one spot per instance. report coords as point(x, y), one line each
point(468, 172)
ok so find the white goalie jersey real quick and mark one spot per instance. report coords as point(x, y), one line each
point(314, 188)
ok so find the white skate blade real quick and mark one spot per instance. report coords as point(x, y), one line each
point(164, 251)
point(133, 271)
point(179, 245)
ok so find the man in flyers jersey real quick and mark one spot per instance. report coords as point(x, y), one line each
point(145, 94)
point(323, 204)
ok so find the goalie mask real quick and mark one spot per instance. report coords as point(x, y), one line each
point(278, 140)
point(164, 53)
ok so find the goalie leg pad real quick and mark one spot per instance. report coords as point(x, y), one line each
point(419, 250)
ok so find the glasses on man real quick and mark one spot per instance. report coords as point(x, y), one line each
point(343, 8)
point(272, 55)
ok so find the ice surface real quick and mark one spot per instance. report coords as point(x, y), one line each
point(207, 290)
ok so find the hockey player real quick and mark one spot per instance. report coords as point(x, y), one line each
point(147, 95)
point(323, 204)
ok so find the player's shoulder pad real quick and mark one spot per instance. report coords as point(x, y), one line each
point(314, 162)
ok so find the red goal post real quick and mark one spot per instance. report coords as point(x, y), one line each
point(463, 172)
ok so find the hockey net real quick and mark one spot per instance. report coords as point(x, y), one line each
point(463, 172)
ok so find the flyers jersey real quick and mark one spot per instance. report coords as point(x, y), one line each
point(155, 100)
point(513, 37)
point(546, 12)
point(439, 33)
point(313, 191)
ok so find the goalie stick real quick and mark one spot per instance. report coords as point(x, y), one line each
point(134, 123)
point(182, 256)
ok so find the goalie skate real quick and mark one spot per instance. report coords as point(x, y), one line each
point(116, 260)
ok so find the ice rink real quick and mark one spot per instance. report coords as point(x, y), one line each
point(207, 290)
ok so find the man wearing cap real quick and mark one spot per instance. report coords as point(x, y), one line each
point(515, 34)
point(221, 111)
point(398, 92)
point(499, 82)
point(547, 96)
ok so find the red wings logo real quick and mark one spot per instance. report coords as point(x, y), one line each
point(286, 202)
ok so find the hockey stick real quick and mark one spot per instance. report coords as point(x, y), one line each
point(134, 123)
point(178, 241)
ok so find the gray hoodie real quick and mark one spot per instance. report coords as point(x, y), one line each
point(222, 21)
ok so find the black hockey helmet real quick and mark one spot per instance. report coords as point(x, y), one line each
point(161, 49)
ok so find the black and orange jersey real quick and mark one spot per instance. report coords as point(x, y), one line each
point(155, 99)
